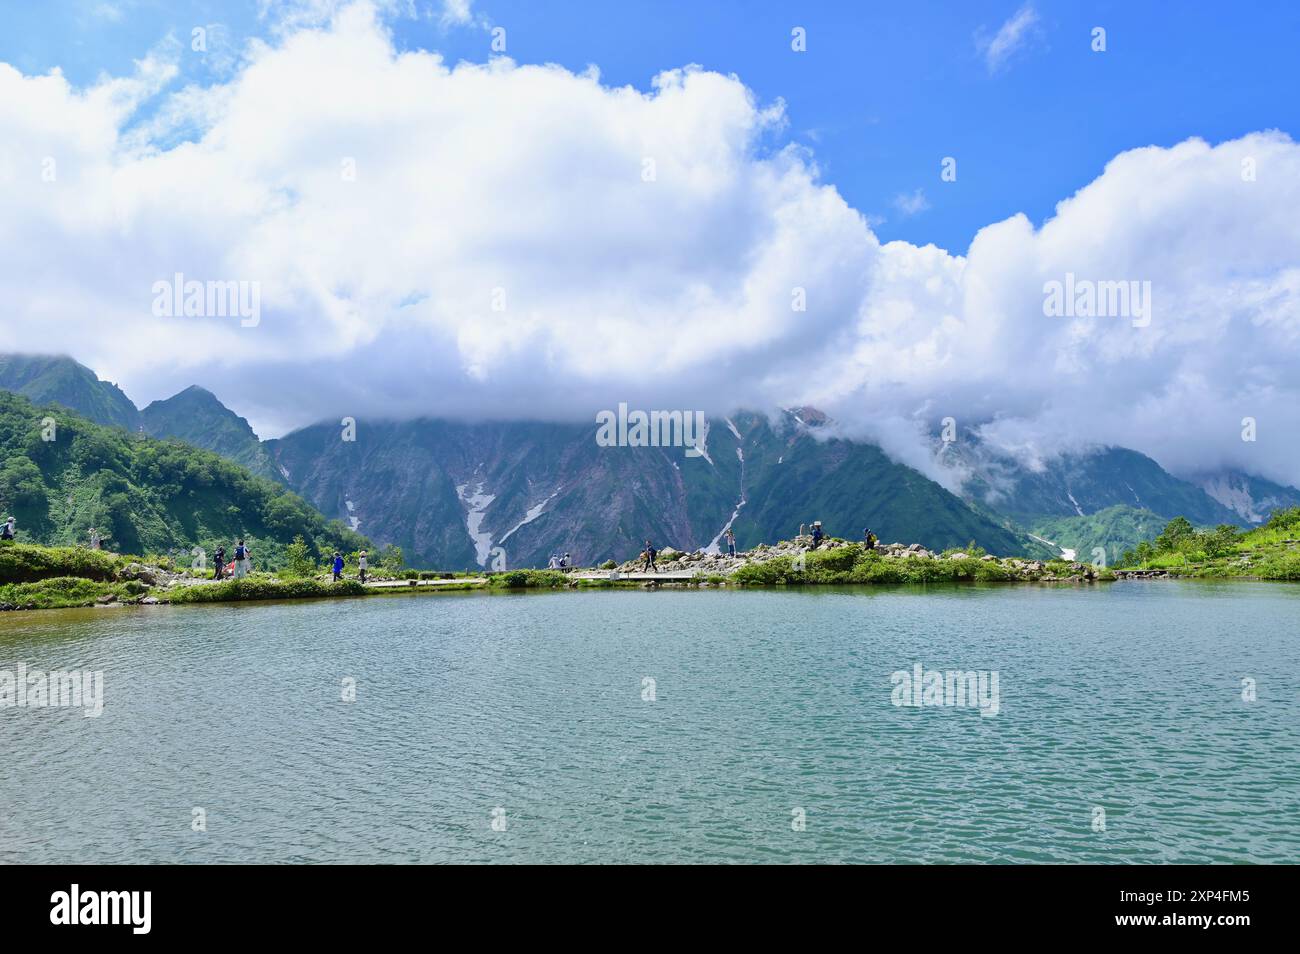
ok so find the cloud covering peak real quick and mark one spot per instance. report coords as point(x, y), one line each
point(523, 241)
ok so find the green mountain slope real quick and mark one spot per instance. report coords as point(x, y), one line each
point(143, 495)
point(1115, 530)
point(196, 417)
point(49, 379)
point(794, 477)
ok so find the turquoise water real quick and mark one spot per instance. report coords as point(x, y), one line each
point(1126, 697)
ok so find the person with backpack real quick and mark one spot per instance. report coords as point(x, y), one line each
point(241, 559)
point(817, 534)
point(361, 565)
point(650, 554)
point(337, 566)
point(7, 531)
point(730, 536)
point(565, 562)
point(869, 539)
point(219, 557)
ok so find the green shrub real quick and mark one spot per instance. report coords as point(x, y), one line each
point(1282, 566)
point(298, 559)
point(25, 563)
point(59, 592)
point(528, 579)
point(264, 588)
point(772, 572)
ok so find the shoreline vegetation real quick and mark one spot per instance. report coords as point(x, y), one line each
point(39, 577)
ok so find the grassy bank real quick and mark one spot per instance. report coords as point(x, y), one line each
point(264, 588)
point(1269, 552)
point(36, 577)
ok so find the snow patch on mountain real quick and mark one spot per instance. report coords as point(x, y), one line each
point(477, 503)
point(532, 514)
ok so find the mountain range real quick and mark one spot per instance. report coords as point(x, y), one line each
point(458, 494)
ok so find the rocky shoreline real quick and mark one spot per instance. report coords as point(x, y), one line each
point(703, 564)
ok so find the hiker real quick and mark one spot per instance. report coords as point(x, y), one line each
point(553, 563)
point(241, 559)
point(361, 565)
point(817, 534)
point(869, 539)
point(220, 559)
point(7, 531)
point(337, 566)
point(731, 542)
point(95, 539)
point(650, 553)
point(565, 562)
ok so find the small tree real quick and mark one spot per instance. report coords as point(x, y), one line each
point(1220, 541)
point(298, 559)
point(1177, 535)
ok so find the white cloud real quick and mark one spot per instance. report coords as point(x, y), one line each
point(456, 12)
point(1010, 37)
point(377, 294)
point(911, 203)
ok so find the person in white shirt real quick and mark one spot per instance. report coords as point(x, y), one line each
point(361, 565)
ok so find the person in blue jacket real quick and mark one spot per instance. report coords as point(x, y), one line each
point(338, 566)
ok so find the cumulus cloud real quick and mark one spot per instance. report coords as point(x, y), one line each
point(510, 240)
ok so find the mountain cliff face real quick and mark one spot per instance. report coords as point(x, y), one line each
point(1081, 484)
point(1252, 499)
point(459, 495)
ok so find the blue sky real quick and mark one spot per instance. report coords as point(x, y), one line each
point(882, 94)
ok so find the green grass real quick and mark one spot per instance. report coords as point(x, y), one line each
point(853, 564)
point(1259, 554)
point(527, 579)
point(264, 588)
point(27, 563)
point(62, 592)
